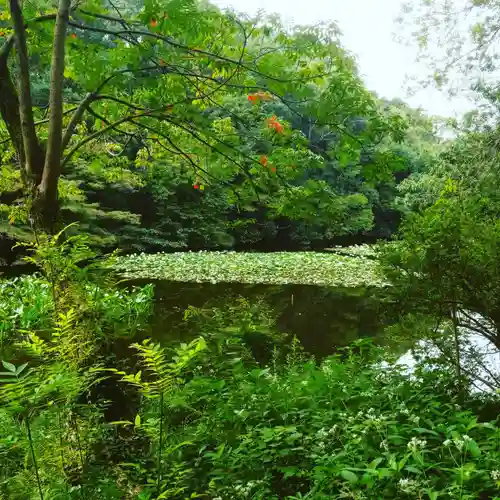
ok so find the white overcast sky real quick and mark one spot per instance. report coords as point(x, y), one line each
point(367, 27)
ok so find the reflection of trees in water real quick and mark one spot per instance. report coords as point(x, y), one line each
point(321, 318)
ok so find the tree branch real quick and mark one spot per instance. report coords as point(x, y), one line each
point(111, 126)
point(32, 151)
point(75, 119)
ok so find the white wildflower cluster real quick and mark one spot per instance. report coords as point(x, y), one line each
point(404, 410)
point(323, 434)
point(384, 445)
point(414, 419)
point(370, 417)
point(408, 485)
point(495, 475)
point(416, 444)
point(244, 490)
point(326, 368)
point(367, 394)
point(459, 443)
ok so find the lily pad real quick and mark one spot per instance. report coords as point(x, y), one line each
point(307, 268)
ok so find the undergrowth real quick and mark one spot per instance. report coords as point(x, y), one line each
point(211, 420)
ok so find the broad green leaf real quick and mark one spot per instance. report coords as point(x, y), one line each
point(9, 366)
point(349, 476)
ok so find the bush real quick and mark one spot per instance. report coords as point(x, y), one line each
point(345, 428)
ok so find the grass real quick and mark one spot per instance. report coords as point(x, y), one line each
point(280, 268)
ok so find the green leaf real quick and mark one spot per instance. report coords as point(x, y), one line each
point(21, 368)
point(432, 494)
point(474, 448)
point(375, 463)
point(137, 421)
point(410, 468)
point(288, 471)
point(349, 476)
point(9, 366)
point(403, 461)
point(122, 422)
point(421, 430)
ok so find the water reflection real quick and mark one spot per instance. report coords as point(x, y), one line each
point(322, 318)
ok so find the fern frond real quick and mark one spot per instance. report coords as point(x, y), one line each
point(165, 374)
point(33, 345)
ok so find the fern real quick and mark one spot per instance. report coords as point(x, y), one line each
point(165, 374)
point(32, 345)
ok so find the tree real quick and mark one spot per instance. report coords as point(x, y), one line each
point(459, 43)
point(128, 84)
point(447, 257)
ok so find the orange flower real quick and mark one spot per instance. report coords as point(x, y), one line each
point(252, 98)
point(277, 127)
point(73, 35)
point(263, 160)
point(273, 170)
point(275, 124)
point(154, 23)
point(196, 186)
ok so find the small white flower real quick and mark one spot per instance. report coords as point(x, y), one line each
point(447, 442)
point(459, 444)
point(466, 438)
point(495, 475)
point(384, 445)
point(415, 419)
point(322, 433)
point(415, 444)
point(333, 429)
point(407, 485)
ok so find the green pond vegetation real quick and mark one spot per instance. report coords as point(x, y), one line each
point(306, 268)
point(231, 271)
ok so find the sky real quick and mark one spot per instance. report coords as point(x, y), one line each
point(368, 27)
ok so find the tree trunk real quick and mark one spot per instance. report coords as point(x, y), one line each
point(32, 152)
point(9, 106)
point(46, 200)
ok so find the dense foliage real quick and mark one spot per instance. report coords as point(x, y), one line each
point(256, 137)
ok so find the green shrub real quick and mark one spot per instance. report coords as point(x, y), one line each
point(347, 428)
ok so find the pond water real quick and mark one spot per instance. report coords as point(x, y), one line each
point(322, 318)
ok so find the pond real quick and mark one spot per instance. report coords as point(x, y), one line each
point(322, 318)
